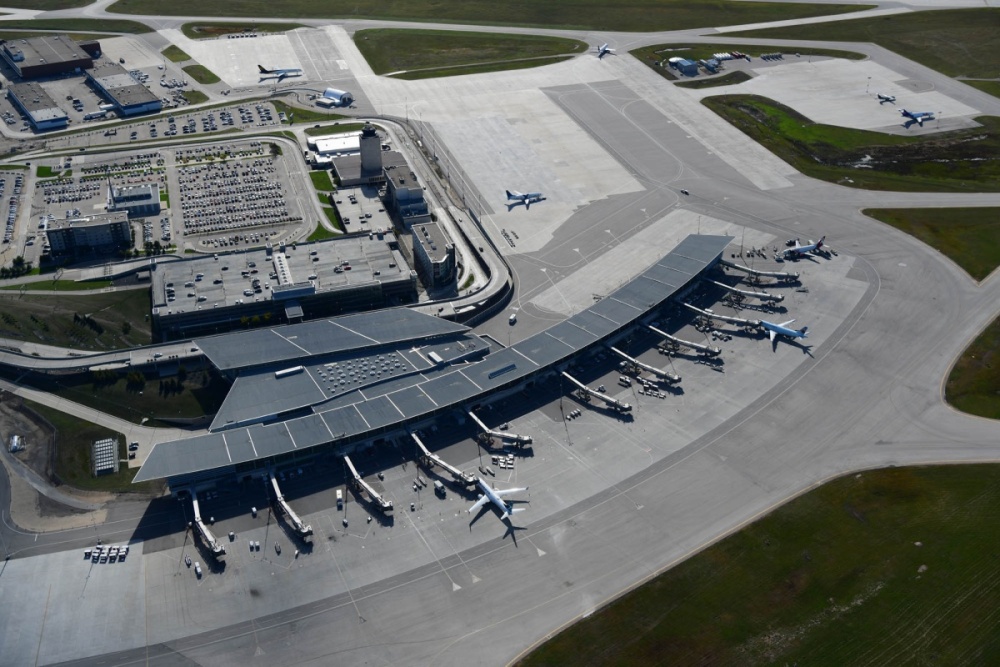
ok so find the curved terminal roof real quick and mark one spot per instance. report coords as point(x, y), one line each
point(417, 397)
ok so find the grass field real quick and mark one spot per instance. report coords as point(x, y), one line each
point(974, 383)
point(58, 286)
point(321, 233)
point(79, 25)
point(175, 54)
point(970, 237)
point(202, 74)
point(730, 79)
point(321, 180)
point(339, 128)
point(74, 437)
point(48, 5)
point(200, 393)
point(390, 50)
point(195, 96)
point(628, 15)
point(991, 87)
point(304, 115)
point(460, 70)
point(58, 319)
point(956, 42)
point(889, 567)
point(210, 30)
point(946, 162)
point(25, 34)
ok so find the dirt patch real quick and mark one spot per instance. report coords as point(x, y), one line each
point(35, 434)
point(48, 509)
point(26, 511)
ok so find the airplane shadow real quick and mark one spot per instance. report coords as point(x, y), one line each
point(806, 349)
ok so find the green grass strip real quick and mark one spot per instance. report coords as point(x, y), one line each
point(883, 567)
point(943, 162)
point(970, 237)
point(627, 15)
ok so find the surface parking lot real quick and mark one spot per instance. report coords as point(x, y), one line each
point(246, 189)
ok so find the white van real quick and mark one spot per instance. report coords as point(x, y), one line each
point(512, 320)
point(340, 499)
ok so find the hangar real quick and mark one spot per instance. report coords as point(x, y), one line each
point(250, 434)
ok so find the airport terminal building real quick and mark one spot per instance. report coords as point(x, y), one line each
point(335, 385)
point(278, 285)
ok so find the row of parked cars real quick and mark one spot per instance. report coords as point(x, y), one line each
point(106, 554)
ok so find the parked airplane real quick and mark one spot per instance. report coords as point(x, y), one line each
point(802, 250)
point(918, 116)
point(782, 329)
point(280, 73)
point(496, 496)
point(527, 198)
point(603, 50)
point(882, 99)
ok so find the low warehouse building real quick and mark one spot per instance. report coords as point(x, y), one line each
point(50, 55)
point(129, 96)
point(35, 103)
point(335, 98)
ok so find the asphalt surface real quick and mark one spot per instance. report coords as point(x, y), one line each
point(868, 394)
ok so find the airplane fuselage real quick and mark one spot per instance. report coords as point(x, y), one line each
point(783, 330)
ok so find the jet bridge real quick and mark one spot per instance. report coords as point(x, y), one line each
point(384, 504)
point(215, 546)
point(500, 435)
point(679, 342)
point(761, 296)
point(300, 528)
point(457, 475)
point(780, 275)
point(613, 403)
point(660, 373)
point(753, 324)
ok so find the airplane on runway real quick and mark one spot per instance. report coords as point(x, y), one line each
point(882, 99)
point(280, 73)
point(496, 496)
point(918, 116)
point(526, 198)
point(775, 330)
point(802, 250)
point(603, 50)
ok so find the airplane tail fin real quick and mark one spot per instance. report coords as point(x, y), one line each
point(819, 244)
point(804, 332)
point(262, 70)
point(509, 195)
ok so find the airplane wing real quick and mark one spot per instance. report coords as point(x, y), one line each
point(772, 333)
point(483, 499)
point(785, 324)
point(507, 492)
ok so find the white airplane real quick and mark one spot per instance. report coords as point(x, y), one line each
point(603, 50)
point(802, 250)
point(526, 198)
point(882, 99)
point(495, 496)
point(279, 73)
point(918, 116)
point(775, 330)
